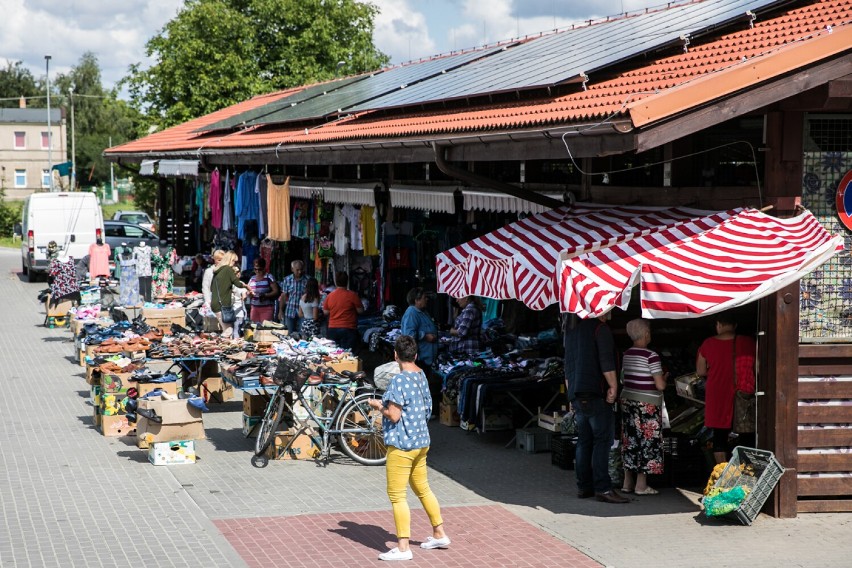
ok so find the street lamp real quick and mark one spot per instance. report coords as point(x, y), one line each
point(49, 129)
point(73, 144)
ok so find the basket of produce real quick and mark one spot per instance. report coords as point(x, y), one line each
point(743, 485)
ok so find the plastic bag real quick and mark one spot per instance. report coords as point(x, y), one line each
point(723, 502)
point(384, 373)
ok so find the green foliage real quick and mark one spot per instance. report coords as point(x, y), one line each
point(99, 118)
point(10, 213)
point(16, 81)
point(216, 53)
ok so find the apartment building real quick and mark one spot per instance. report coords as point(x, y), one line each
point(24, 156)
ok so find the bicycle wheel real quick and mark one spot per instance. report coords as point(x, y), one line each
point(366, 445)
point(269, 424)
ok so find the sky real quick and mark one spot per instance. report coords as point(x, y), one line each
point(116, 30)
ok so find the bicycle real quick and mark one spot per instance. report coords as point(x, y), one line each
point(355, 426)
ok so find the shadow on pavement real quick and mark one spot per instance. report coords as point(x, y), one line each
point(134, 455)
point(482, 464)
point(371, 536)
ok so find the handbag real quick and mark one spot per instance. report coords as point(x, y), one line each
point(745, 404)
point(229, 315)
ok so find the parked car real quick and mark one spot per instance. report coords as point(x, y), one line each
point(118, 232)
point(136, 217)
point(72, 219)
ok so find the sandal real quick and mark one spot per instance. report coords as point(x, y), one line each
point(626, 490)
point(647, 491)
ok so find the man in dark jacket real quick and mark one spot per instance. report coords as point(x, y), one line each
point(590, 376)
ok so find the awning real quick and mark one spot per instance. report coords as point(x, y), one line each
point(178, 168)
point(481, 200)
point(424, 198)
point(520, 260)
point(697, 268)
point(146, 168)
point(687, 262)
point(354, 194)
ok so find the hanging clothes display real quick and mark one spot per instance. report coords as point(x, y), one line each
point(301, 218)
point(353, 218)
point(216, 199)
point(278, 202)
point(341, 237)
point(227, 209)
point(128, 294)
point(199, 202)
point(63, 285)
point(99, 259)
point(163, 275)
point(369, 236)
point(261, 191)
point(245, 203)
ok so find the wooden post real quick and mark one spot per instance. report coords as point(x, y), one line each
point(779, 364)
point(777, 410)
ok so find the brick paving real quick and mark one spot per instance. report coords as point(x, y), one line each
point(70, 497)
point(482, 536)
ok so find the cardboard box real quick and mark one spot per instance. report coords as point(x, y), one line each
point(265, 335)
point(301, 447)
point(551, 422)
point(177, 411)
point(250, 425)
point(116, 382)
point(449, 414)
point(148, 432)
point(82, 357)
point(352, 364)
point(177, 452)
point(164, 318)
point(96, 417)
point(112, 426)
point(145, 388)
point(216, 389)
point(109, 403)
point(59, 310)
point(93, 374)
point(254, 404)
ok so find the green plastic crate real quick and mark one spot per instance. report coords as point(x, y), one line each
point(767, 472)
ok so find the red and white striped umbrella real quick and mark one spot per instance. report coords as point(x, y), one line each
point(521, 260)
point(697, 267)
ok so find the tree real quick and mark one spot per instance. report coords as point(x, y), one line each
point(215, 53)
point(99, 118)
point(17, 81)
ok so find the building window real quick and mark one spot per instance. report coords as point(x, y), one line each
point(45, 141)
point(20, 178)
point(45, 178)
point(20, 141)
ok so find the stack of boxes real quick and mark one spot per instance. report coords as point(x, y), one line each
point(254, 407)
point(163, 318)
point(169, 441)
point(109, 415)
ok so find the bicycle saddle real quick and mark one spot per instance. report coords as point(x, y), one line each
point(354, 375)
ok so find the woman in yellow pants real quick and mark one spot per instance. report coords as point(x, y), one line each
point(406, 407)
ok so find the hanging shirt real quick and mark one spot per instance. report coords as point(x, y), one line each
point(216, 199)
point(142, 256)
point(245, 203)
point(341, 238)
point(301, 212)
point(261, 190)
point(368, 231)
point(227, 213)
point(278, 204)
point(353, 217)
point(99, 259)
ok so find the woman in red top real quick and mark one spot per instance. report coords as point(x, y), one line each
point(716, 362)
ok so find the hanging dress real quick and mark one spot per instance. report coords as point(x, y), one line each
point(128, 294)
point(278, 205)
point(163, 275)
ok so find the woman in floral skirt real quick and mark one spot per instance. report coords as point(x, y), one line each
point(642, 411)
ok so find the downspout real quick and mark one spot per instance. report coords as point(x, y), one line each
point(481, 181)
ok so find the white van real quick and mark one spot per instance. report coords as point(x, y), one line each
point(73, 220)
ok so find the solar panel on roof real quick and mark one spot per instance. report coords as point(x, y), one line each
point(303, 95)
point(565, 56)
point(381, 83)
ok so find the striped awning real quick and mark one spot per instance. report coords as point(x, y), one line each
point(520, 261)
point(437, 199)
point(354, 194)
point(483, 200)
point(178, 168)
point(588, 257)
point(698, 267)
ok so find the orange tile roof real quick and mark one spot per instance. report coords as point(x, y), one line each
point(639, 94)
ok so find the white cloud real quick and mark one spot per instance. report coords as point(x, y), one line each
point(401, 31)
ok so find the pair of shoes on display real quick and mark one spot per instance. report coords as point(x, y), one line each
point(149, 414)
point(611, 496)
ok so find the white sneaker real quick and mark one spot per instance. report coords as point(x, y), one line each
point(435, 542)
point(395, 554)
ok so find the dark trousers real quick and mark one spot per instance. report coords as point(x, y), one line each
point(595, 430)
point(435, 384)
point(145, 287)
point(344, 337)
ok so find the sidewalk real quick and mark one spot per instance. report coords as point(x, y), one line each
point(70, 497)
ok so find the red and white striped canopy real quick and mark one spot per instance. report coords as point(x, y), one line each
point(521, 260)
point(697, 267)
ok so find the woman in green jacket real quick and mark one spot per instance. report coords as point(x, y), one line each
point(224, 279)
